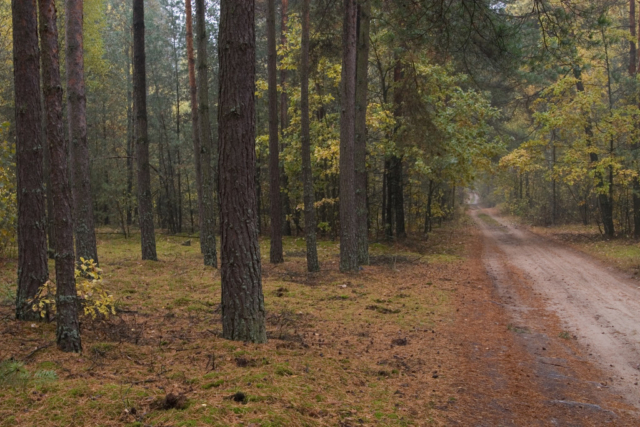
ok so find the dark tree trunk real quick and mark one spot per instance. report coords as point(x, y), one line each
point(243, 312)
point(193, 91)
point(145, 202)
point(399, 199)
point(207, 232)
point(348, 225)
point(396, 161)
point(130, 141)
point(388, 200)
point(85, 235)
point(307, 174)
point(362, 66)
point(68, 330)
point(285, 212)
point(32, 240)
point(275, 254)
point(633, 69)
point(51, 232)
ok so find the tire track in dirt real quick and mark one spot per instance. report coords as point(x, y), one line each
point(515, 368)
point(587, 301)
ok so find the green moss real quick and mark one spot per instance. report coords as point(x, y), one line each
point(214, 384)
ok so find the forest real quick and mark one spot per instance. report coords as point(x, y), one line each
point(319, 212)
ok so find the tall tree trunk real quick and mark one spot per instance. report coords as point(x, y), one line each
point(388, 200)
point(285, 212)
point(51, 231)
point(362, 66)
point(633, 69)
point(243, 312)
point(193, 91)
point(348, 225)
point(207, 233)
point(32, 240)
point(85, 234)
point(130, 139)
point(307, 174)
point(396, 161)
point(68, 329)
point(145, 202)
point(275, 254)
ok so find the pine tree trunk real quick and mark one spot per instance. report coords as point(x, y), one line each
point(633, 69)
point(32, 241)
point(195, 129)
point(68, 329)
point(285, 212)
point(207, 232)
point(51, 232)
point(243, 312)
point(85, 235)
point(275, 254)
point(396, 161)
point(348, 225)
point(130, 140)
point(362, 66)
point(307, 174)
point(145, 202)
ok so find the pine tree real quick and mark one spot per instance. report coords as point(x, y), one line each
point(32, 241)
point(145, 204)
point(243, 312)
point(85, 236)
point(275, 253)
point(68, 330)
point(307, 174)
point(348, 225)
point(207, 232)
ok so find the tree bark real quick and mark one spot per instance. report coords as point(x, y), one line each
point(32, 241)
point(633, 69)
point(145, 202)
point(348, 225)
point(243, 312)
point(207, 232)
point(85, 235)
point(68, 329)
point(396, 160)
point(362, 66)
point(285, 212)
point(307, 174)
point(195, 129)
point(275, 254)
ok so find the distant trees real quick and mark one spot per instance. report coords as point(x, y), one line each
point(243, 312)
point(145, 202)
point(32, 242)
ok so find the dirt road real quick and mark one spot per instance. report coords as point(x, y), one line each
point(597, 306)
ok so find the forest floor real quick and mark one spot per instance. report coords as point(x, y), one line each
point(423, 336)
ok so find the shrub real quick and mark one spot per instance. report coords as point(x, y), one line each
point(95, 300)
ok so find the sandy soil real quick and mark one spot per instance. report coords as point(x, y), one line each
point(597, 307)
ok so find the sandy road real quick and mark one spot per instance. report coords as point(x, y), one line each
point(597, 304)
